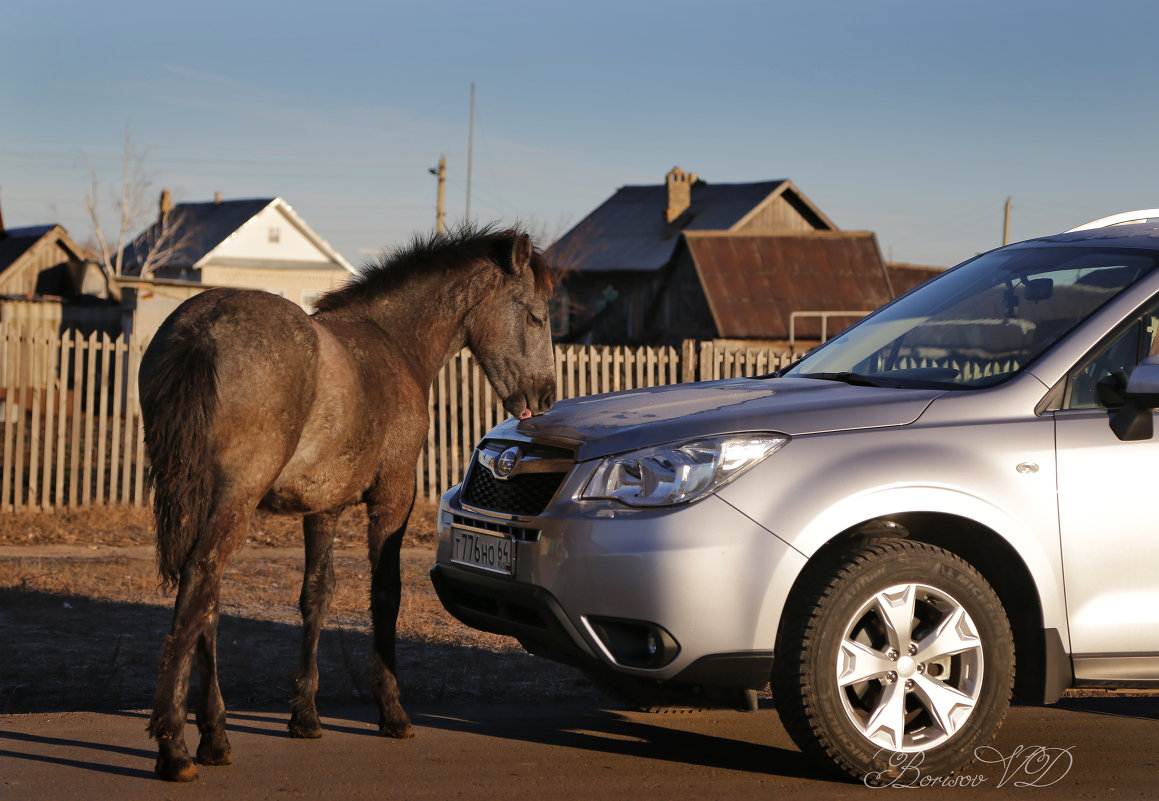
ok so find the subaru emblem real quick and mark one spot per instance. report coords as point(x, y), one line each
point(506, 462)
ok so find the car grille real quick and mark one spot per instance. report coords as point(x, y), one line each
point(526, 495)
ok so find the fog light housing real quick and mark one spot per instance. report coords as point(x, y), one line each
point(634, 643)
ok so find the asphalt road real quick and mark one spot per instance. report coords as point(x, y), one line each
point(1081, 748)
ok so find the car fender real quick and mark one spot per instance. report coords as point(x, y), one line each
point(820, 498)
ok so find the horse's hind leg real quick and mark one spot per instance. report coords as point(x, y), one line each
point(167, 726)
point(214, 746)
point(387, 525)
point(314, 602)
point(194, 628)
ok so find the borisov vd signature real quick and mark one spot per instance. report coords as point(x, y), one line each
point(1024, 766)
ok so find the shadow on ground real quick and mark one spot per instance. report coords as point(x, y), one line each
point(66, 653)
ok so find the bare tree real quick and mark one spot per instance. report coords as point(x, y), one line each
point(160, 242)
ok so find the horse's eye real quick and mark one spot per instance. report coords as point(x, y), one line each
point(533, 319)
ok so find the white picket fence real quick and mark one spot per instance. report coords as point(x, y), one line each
point(70, 422)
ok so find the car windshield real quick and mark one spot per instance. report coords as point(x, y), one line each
point(979, 323)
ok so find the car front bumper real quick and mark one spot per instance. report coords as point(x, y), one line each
point(688, 596)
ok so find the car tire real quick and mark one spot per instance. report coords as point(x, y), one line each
point(895, 664)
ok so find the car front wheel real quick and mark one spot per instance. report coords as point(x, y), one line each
point(897, 665)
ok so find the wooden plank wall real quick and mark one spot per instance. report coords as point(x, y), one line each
point(72, 436)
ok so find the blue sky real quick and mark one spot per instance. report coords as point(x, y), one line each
point(915, 120)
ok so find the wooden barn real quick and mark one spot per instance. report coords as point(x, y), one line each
point(690, 259)
point(40, 260)
point(46, 281)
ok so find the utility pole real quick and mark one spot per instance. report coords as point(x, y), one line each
point(1006, 224)
point(441, 172)
point(470, 148)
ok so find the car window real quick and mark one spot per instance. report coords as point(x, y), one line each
point(981, 322)
point(1100, 379)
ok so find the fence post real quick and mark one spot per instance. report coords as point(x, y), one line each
point(707, 361)
point(23, 379)
point(688, 361)
point(8, 341)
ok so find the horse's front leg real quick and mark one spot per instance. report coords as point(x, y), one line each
point(314, 603)
point(388, 519)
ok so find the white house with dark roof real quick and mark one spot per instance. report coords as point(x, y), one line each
point(258, 243)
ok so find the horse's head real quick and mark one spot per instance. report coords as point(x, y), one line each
point(509, 332)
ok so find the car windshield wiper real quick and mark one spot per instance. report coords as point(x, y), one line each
point(856, 379)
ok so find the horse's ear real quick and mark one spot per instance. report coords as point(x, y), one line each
point(521, 250)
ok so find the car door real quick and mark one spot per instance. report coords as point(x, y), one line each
point(1108, 515)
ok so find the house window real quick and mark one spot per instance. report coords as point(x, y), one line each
point(309, 298)
point(275, 235)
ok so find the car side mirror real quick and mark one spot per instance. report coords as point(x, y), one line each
point(1133, 421)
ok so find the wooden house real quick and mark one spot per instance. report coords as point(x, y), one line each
point(40, 260)
point(691, 259)
point(46, 281)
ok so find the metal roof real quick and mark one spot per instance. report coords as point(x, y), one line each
point(628, 231)
point(904, 277)
point(754, 282)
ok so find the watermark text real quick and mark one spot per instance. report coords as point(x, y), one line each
point(1023, 766)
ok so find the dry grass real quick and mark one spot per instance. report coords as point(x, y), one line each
point(132, 525)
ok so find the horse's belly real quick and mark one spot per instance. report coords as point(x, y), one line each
point(302, 493)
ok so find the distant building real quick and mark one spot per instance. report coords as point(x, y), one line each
point(40, 260)
point(259, 243)
point(45, 280)
point(905, 277)
point(690, 259)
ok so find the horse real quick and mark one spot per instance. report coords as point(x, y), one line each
point(249, 402)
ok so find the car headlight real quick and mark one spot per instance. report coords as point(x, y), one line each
point(681, 472)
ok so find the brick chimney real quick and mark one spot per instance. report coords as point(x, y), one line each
point(165, 206)
point(217, 198)
point(679, 192)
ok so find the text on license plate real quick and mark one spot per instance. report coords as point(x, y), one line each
point(483, 550)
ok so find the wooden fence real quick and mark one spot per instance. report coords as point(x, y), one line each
point(70, 422)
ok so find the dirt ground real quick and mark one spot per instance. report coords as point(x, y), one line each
point(83, 620)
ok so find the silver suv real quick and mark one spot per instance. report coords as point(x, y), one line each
point(948, 504)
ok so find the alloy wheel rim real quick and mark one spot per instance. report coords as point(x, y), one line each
point(909, 667)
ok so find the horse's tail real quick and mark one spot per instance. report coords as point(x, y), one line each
point(179, 399)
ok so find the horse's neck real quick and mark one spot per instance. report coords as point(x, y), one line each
point(426, 322)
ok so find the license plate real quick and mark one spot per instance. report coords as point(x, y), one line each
point(496, 554)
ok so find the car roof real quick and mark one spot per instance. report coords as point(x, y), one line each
point(1135, 229)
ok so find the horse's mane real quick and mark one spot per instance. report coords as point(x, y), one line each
point(446, 253)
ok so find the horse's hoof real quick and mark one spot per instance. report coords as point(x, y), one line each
point(176, 770)
point(209, 754)
point(399, 731)
point(301, 732)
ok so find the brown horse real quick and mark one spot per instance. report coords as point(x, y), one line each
point(248, 402)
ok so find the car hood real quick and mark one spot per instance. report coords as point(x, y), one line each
point(603, 424)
